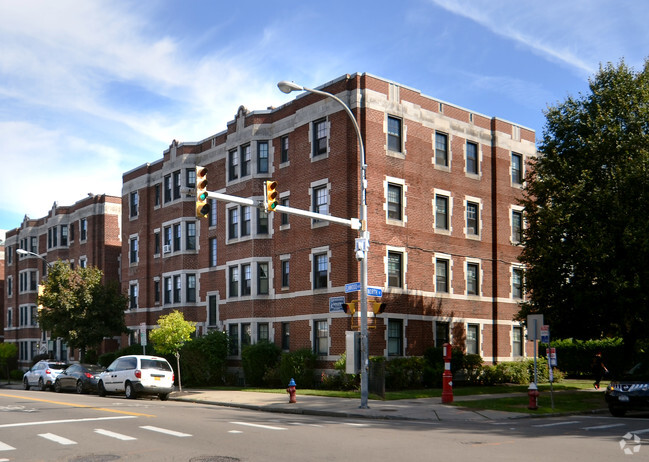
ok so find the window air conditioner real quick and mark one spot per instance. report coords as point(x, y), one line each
point(166, 248)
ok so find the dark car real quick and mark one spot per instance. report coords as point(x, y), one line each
point(630, 392)
point(81, 378)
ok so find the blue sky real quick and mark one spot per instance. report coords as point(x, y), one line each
point(90, 90)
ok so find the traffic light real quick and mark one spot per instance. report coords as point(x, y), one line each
point(271, 195)
point(350, 308)
point(378, 307)
point(202, 207)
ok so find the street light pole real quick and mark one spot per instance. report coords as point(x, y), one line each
point(362, 244)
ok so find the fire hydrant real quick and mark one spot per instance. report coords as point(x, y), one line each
point(291, 392)
point(533, 394)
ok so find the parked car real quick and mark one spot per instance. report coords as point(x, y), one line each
point(137, 374)
point(630, 391)
point(42, 374)
point(79, 377)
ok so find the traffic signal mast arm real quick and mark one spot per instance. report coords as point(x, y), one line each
point(353, 223)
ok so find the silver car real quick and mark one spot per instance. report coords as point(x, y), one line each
point(43, 374)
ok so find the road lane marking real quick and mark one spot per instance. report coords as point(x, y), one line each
point(165, 431)
point(267, 427)
point(556, 424)
point(47, 422)
point(602, 427)
point(56, 438)
point(640, 432)
point(5, 447)
point(77, 405)
point(119, 436)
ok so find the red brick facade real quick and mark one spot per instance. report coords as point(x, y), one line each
point(424, 215)
point(86, 233)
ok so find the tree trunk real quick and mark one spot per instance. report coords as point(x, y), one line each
point(82, 354)
point(180, 385)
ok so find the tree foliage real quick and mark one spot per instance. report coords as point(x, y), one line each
point(586, 202)
point(171, 334)
point(79, 307)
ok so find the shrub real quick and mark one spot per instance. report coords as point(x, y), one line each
point(298, 365)
point(16, 374)
point(203, 361)
point(575, 356)
point(257, 359)
point(340, 380)
point(404, 373)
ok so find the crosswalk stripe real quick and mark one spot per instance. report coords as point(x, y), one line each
point(119, 436)
point(5, 447)
point(602, 427)
point(56, 438)
point(267, 427)
point(165, 431)
point(556, 424)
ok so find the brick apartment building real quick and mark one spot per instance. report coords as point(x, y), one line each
point(443, 186)
point(2, 283)
point(85, 234)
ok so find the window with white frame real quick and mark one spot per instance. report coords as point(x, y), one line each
point(441, 149)
point(212, 313)
point(246, 160)
point(395, 131)
point(472, 278)
point(395, 337)
point(263, 332)
point(234, 281)
point(233, 164)
point(134, 199)
point(517, 226)
point(473, 339)
point(320, 271)
point(517, 283)
point(321, 338)
point(262, 278)
point(190, 242)
point(472, 158)
point(262, 157)
point(132, 293)
point(190, 291)
point(472, 218)
point(320, 137)
point(441, 275)
point(246, 280)
point(284, 149)
point(441, 212)
point(177, 288)
point(394, 201)
point(133, 250)
point(517, 341)
point(517, 169)
point(395, 269)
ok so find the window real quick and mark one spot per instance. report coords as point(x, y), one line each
point(262, 278)
point(157, 195)
point(246, 335)
point(177, 237)
point(133, 204)
point(441, 212)
point(233, 337)
point(191, 177)
point(395, 337)
point(321, 338)
point(472, 339)
point(517, 341)
point(517, 227)
point(167, 237)
point(442, 331)
point(211, 311)
point(262, 221)
point(213, 252)
point(395, 269)
point(64, 235)
point(176, 185)
point(167, 184)
point(233, 165)
point(133, 250)
point(394, 134)
point(212, 215)
point(285, 272)
point(517, 283)
point(191, 235)
point(394, 202)
point(320, 202)
point(83, 229)
point(472, 225)
point(177, 288)
point(246, 281)
point(262, 157)
point(284, 216)
point(284, 149)
point(156, 243)
point(10, 255)
point(133, 296)
point(10, 286)
point(83, 262)
point(234, 281)
point(33, 242)
point(320, 267)
point(517, 168)
point(471, 158)
point(156, 291)
point(233, 215)
point(245, 160)
point(262, 332)
point(472, 279)
point(167, 290)
point(441, 149)
point(33, 317)
point(319, 137)
point(245, 221)
point(191, 288)
point(286, 336)
point(441, 275)
point(9, 317)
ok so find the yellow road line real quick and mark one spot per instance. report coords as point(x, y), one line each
point(77, 405)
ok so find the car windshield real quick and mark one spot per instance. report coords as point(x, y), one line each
point(57, 366)
point(156, 364)
point(639, 370)
point(93, 369)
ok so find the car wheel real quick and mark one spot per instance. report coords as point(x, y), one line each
point(163, 396)
point(57, 386)
point(129, 391)
point(617, 411)
point(79, 386)
point(100, 389)
point(41, 384)
point(26, 383)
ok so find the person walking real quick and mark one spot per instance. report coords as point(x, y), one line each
point(599, 369)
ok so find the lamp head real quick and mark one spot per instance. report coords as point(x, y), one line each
point(286, 87)
point(21, 252)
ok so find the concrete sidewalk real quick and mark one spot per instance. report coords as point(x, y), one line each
point(426, 409)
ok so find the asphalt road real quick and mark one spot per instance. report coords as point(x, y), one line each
point(46, 426)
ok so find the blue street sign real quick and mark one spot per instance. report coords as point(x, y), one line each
point(352, 287)
point(336, 304)
point(374, 292)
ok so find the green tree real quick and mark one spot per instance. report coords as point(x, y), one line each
point(79, 307)
point(171, 334)
point(587, 212)
point(7, 352)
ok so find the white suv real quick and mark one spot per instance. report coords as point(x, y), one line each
point(42, 374)
point(135, 374)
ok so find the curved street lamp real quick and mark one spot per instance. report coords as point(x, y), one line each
point(362, 244)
